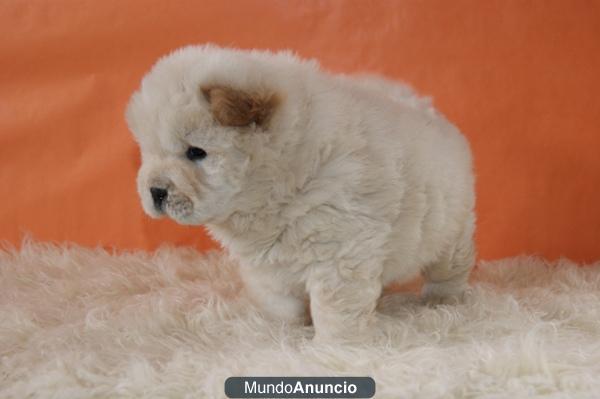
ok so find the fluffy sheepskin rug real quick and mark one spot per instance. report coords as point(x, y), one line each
point(80, 323)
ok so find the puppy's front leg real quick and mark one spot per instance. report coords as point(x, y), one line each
point(273, 296)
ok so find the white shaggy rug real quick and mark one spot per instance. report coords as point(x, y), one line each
point(80, 323)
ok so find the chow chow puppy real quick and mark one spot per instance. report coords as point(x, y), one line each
point(324, 187)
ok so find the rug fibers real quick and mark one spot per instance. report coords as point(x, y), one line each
point(82, 323)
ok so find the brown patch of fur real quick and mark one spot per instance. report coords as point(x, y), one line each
point(231, 107)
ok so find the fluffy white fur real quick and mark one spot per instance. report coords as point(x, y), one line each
point(345, 185)
point(80, 323)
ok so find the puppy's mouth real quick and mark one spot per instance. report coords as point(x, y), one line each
point(178, 207)
point(175, 205)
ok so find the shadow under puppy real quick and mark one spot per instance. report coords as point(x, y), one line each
point(321, 186)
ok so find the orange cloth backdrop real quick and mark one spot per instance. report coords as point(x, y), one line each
point(520, 78)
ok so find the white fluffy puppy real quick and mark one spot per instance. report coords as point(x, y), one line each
point(323, 187)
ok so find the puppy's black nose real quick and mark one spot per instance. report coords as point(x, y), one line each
point(159, 195)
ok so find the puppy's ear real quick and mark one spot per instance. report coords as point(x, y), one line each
point(231, 107)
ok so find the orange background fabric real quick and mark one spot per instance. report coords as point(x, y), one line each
point(520, 78)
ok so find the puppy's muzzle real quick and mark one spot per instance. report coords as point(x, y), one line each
point(159, 195)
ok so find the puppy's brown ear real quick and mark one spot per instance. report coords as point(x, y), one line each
point(231, 107)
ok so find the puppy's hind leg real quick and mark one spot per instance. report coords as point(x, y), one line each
point(446, 280)
point(343, 310)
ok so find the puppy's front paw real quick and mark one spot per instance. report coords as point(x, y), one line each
point(443, 293)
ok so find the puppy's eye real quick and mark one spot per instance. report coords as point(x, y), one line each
point(195, 153)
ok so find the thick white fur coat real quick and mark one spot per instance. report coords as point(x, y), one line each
point(338, 187)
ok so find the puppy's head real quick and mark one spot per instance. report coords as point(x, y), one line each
point(204, 118)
